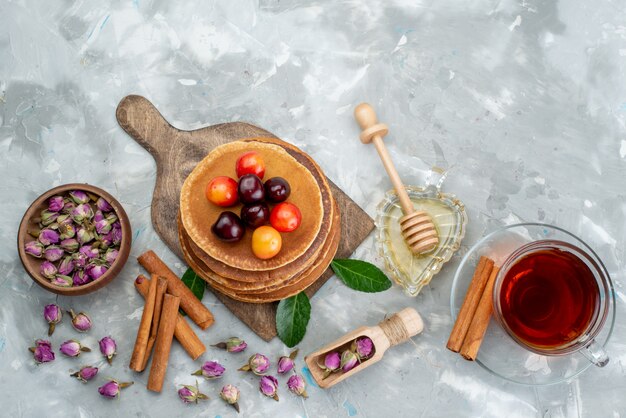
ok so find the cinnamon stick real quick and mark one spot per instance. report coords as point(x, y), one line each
point(143, 332)
point(480, 322)
point(183, 332)
point(158, 305)
point(470, 303)
point(163, 343)
point(188, 301)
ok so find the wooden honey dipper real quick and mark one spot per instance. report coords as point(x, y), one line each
point(417, 227)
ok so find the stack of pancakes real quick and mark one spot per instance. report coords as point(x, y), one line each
point(232, 268)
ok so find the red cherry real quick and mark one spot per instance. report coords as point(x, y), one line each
point(285, 217)
point(222, 191)
point(250, 163)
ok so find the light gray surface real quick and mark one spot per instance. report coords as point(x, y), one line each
point(525, 101)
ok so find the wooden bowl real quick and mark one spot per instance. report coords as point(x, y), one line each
point(32, 264)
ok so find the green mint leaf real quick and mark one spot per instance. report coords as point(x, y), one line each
point(292, 318)
point(360, 275)
point(194, 282)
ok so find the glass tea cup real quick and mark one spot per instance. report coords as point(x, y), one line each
point(546, 286)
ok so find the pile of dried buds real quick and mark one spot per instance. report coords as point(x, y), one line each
point(78, 235)
point(81, 322)
point(258, 364)
point(360, 350)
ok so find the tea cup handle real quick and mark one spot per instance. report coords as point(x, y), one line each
point(595, 353)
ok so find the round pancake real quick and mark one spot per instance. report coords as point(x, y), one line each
point(301, 262)
point(198, 214)
point(309, 276)
point(227, 285)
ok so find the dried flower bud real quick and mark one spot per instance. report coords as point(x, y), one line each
point(95, 271)
point(48, 217)
point(191, 394)
point(67, 230)
point(103, 205)
point(98, 216)
point(230, 394)
point(80, 278)
point(332, 362)
point(108, 348)
point(73, 348)
point(89, 252)
point(348, 361)
point(268, 385)
point(103, 227)
point(48, 270)
point(80, 260)
point(79, 197)
point(55, 203)
point(62, 281)
point(232, 345)
point(69, 245)
point(82, 213)
point(53, 315)
point(42, 351)
point(34, 248)
point(80, 321)
point(111, 255)
point(68, 207)
point(363, 347)
point(116, 233)
point(84, 236)
point(53, 253)
point(48, 236)
point(66, 267)
point(257, 364)
point(296, 385)
point(111, 389)
point(86, 373)
point(210, 370)
point(285, 363)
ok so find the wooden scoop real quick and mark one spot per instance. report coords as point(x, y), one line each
point(417, 227)
point(394, 330)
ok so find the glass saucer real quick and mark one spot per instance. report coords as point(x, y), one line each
point(499, 353)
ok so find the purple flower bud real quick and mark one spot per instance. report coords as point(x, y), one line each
point(66, 267)
point(95, 271)
point(285, 363)
point(52, 314)
point(34, 248)
point(258, 364)
point(296, 385)
point(86, 373)
point(363, 347)
point(84, 235)
point(108, 348)
point(73, 348)
point(67, 230)
point(48, 236)
point(69, 245)
point(116, 233)
point(210, 370)
point(68, 207)
point(111, 255)
point(268, 385)
point(79, 197)
point(62, 281)
point(103, 227)
point(53, 253)
point(55, 203)
point(230, 394)
point(348, 361)
point(232, 345)
point(42, 352)
point(80, 260)
point(80, 321)
point(332, 361)
point(81, 213)
point(89, 252)
point(98, 216)
point(48, 270)
point(80, 278)
point(48, 217)
point(189, 394)
point(103, 205)
point(111, 389)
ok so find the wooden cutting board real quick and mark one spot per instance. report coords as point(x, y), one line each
point(177, 152)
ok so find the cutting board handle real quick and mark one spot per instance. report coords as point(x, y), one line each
point(141, 120)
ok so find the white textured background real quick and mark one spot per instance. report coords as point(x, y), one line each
point(524, 101)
